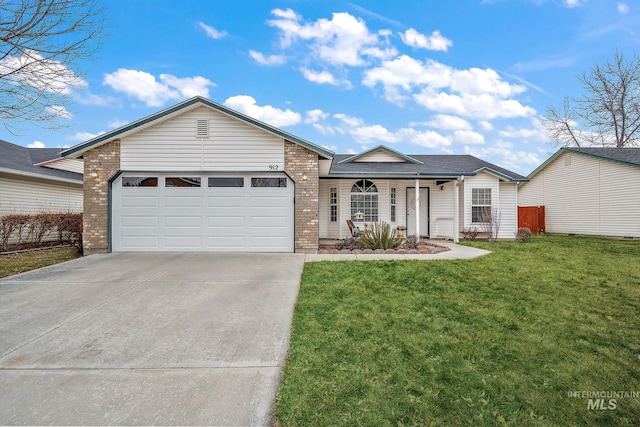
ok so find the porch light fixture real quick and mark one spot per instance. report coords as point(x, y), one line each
point(93, 174)
point(304, 177)
point(358, 216)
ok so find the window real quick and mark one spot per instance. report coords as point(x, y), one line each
point(333, 203)
point(393, 204)
point(364, 200)
point(226, 182)
point(480, 204)
point(139, 181)
point(268, 182)
point(181, 182)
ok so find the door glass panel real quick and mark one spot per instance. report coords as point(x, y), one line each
point(269, 182)
point(226, 182)
point(139, 181)
point(181, 182)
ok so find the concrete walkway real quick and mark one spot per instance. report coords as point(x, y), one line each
point(456, 252)
point(147, 339)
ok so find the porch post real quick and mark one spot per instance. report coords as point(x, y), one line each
point(418, 208)
point(456, 211)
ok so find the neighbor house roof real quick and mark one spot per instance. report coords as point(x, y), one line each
point(628, 156)
point(427, 165)
point(121, 132)
point(18, 160)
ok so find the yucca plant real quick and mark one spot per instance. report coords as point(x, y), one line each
point(379, 235)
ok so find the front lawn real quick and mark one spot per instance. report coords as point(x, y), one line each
point(25, 261)
point(502, 340)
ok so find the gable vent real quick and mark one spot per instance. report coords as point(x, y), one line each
point(202, 128)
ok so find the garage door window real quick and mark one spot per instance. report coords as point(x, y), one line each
point(139, 181)
point(226, 182)
point(269, 182)
point(181, 182)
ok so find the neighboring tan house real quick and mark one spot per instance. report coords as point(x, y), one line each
point(200, 176)
point(36, 180)
point(588, 191)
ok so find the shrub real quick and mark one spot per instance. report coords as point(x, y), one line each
point(523, 234)
point(470, 233)
point(412, 242)
point(350, 243)
point(380, 235)
point(29, 230)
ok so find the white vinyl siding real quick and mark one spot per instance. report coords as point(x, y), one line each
point(71, 165)
point(586, 196)
point(27, 195)
point(231, 146)
point(507, 207)
point(380, 156)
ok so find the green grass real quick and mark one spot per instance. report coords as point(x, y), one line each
point(25, 261)
point(495, 341)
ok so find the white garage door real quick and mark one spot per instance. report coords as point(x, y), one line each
point(194, 212)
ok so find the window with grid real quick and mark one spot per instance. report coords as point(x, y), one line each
point(364, 199)
point(393, 204)
point(333, 203)
point(480, 204)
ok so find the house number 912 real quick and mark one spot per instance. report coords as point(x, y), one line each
point(273, 167)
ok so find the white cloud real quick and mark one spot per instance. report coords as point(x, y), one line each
point(342, 40)
point(212, 32)
point(269, 60)
point(623, 8)
point(87, 98)
point(468, 137)
point(34, 70)
point(82, 136)
point(36, 144)
point(59, 111)
point(485, 125)
point(475, 93)
point(435, 41)
point(374, 133)
point(116, 123)
point(319, 77)
point(314, 116)
point(268, 114)
point(155, 93)
point(503, 154)
point(445, 121)
point(574, 3)
point(510, 132)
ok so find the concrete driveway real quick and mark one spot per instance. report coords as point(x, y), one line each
point(141, 339)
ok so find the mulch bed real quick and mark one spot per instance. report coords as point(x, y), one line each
point(422, 248)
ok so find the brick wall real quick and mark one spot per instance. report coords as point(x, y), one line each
point(104, 162)
point(298, 163)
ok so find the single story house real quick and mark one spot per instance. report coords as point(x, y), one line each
point(36, 180)
point(200, 176)
point(588, 191)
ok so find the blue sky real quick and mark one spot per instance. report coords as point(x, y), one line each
point(422, 77)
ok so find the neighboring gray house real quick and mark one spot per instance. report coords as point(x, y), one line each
point(38, 180)
point(590, 191)
point(199, 176)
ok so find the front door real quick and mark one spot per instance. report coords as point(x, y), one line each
point(423, 211)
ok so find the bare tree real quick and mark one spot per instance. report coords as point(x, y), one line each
point(42, 46)
point(608, 114)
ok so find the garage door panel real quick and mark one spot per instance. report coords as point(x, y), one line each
point(140, 201)
point(202, 218)
point(183, 221)
point(133, 242)
point(226, 201)
point(139, 221)
point(182, 242)
point(183, 201)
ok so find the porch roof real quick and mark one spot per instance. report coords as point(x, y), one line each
point(431, 166)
